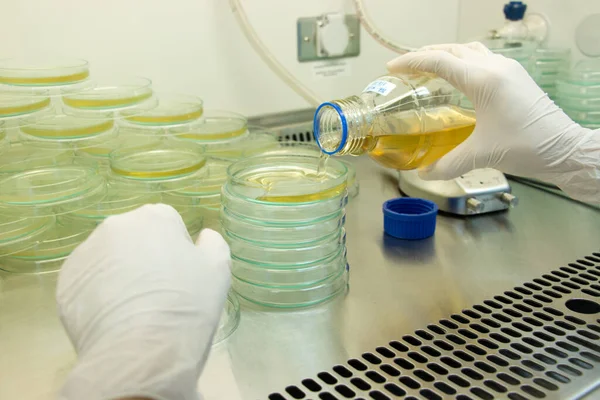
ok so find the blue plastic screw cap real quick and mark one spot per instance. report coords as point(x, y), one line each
point(515, 10)
point(409, 218)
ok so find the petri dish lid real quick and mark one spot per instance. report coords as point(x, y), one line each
point(287, 179)
point(579, 104)
point(558, 54)
point(256, 142)
point(172, 109)
point(50, 190)
point(18, 233)
point(230, 318)
point(20, 157)
point(64, 131)
point(43, 72)
point(163, 161)
point(585, 72)
point(115, 202)
point(218, 127)
point(105, 97)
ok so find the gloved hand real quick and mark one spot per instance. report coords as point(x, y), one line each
point(141, 303)
point(519, 130)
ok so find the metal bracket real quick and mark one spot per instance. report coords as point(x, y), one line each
point(308, 28)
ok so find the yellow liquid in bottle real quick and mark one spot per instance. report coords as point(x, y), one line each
point(445, 128)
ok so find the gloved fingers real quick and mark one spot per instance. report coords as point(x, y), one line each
point(459, 161)
point(214, 249)
point(460, 50)
point(439, 62)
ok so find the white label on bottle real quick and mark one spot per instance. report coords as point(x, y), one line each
point(380, 87)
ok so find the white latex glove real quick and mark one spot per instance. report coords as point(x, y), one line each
point(519, 130)
point(141, 303)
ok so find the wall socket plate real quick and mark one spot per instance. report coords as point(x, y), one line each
point(308, 46)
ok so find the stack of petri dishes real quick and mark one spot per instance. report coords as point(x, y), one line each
point(547, 66)
point(284, 221)
point(578, 93)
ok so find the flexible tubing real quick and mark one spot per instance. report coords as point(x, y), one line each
point(268, 58)
point(366, 23)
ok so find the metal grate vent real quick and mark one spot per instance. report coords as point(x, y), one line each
point(539, 340)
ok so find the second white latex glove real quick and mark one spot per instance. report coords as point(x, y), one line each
point(519, 130)
point(141, 303)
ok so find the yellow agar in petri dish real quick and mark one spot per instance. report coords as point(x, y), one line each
point(64, 126)
point(43, 72)
point(110, 95)
point(171, 110)
point(165, 161)
point(218, 126)
point(13, 105)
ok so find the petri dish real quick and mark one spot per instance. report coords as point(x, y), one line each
point(286, 254)
point(173, 109)
point(281, 233)
point(275, 276)
point(48, 254)
point(292, 296)
point(15, 105)
point(217, 127)
point(579, 103)
point(568, 89)
point(549, 54)
point(585, 72)
point(230, 318)
point(583, 117)
point(64, 131)
point(287, 179)
point(20, 233)
point(255, 143)
point(43, 72)
point(281, 212)
point(115, 202)
point(132, 94)
point(20, 157)
point(51, 191)
point(193, 218)
point(211, 184)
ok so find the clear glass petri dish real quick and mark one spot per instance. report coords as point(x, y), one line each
point(43, 72)
point(51, 191)
point(281, 212)
point(133, 95)
point(292, 297)
point(172, 109)
point(48, 254)
point(255, 143)
point(286, 254)
point(579, 103)
point(549, 54)
point(269, 232)
point(19, 233)
point(16, 105)
point(583, 117)
point(287, 179)
point(156, 161)
point(66, 132)
point(568, 89)
point(274, 276)
point(217, 127)
point(19, 157)
point(211, 184)
point(585, 72)
point(230, 318)
point(553, 68)
point(115, 202)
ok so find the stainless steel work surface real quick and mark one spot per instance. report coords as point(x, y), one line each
point(395, 288)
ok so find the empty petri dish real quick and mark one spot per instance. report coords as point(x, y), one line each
point(230, 318)
point(218, 126)
point(287, 179)
point(132, 94)
point(280, 276)
point(568, 89)
point(51, 191)
point(286, 254)
point(64, 131)
point(47, 255)
point(579, 103)
point(172, 109)
point(19, 157)
point(115, 202)
point(560, 54)
point(281, 212)
point(292, 296)
point(18, 233)
point(583, 117)
point(255, 143)
point(585, 72)
point(43, 72)
point(271, 232)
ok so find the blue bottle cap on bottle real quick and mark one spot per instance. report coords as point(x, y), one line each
point(515, 10)
point(409, 218)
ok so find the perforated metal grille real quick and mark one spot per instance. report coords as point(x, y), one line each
point(538, 340)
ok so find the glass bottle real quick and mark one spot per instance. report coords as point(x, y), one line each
point(402, 122)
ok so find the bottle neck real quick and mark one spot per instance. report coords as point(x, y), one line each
point(342, 126)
